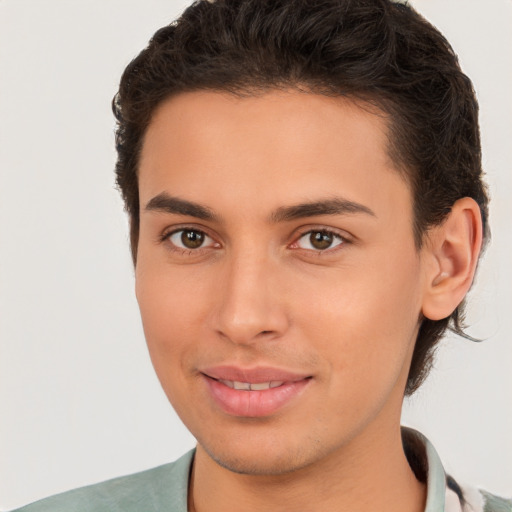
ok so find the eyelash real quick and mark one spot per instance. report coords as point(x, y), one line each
point(166, 237)
point(334, 235)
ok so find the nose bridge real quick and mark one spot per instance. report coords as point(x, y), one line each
point(250, 306)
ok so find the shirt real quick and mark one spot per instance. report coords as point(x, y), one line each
point(165, 488)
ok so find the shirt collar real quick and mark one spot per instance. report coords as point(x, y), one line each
point(435, 475)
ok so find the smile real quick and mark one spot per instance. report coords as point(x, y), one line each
point(253, 393)
point(251, 386)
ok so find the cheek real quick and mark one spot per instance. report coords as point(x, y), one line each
point(171, 317)
point(171, 311)
point(365, 322)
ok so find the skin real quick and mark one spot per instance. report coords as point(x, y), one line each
point(256, 292)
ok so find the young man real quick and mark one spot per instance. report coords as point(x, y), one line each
point(307, 211)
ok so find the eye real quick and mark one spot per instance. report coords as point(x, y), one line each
point(319, 240)
point(189, 239)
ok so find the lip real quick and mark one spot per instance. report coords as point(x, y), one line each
point(252, 375)
point(253, 403)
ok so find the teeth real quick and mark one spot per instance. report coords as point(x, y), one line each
point(247, 386)
point(228, 383)
point(241, 385)
point(260, 386)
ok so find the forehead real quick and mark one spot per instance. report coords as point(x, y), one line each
point(274, 148)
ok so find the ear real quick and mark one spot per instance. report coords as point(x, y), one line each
point(452, 252)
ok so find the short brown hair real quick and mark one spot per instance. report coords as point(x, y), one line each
point(378, 51)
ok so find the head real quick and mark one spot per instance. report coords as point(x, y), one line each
point(303, 185)
point(379, 53)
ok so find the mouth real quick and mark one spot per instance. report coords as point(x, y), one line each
point(255, 392)
point(251, 386)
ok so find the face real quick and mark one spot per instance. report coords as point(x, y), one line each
point(277, 276)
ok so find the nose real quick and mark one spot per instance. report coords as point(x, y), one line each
point(251, 306)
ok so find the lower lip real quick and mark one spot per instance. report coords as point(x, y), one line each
point(254, 404)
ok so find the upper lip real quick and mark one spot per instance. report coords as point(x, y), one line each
point(252, 375)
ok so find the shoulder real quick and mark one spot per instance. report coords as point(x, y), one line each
point(494, 503)
point(443, 491)
point(471, 499)
point(153, 490)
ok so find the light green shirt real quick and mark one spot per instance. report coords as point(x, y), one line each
point(165, 488)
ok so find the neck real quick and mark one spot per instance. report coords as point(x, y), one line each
point(371, 472)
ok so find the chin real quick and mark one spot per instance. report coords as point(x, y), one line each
point(270, 466)
point(257, 459)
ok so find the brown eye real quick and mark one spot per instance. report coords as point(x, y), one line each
point(190, 239)
point(319, 240)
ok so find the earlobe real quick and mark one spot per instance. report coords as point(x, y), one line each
point(453, 251)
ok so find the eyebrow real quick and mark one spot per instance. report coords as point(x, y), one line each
point(165, 203)
point(168, 204)
point(332, 206)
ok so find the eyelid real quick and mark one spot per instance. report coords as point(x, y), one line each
point(345, 238)
point(168, 232)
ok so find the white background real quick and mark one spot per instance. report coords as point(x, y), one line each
point(78, 399)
